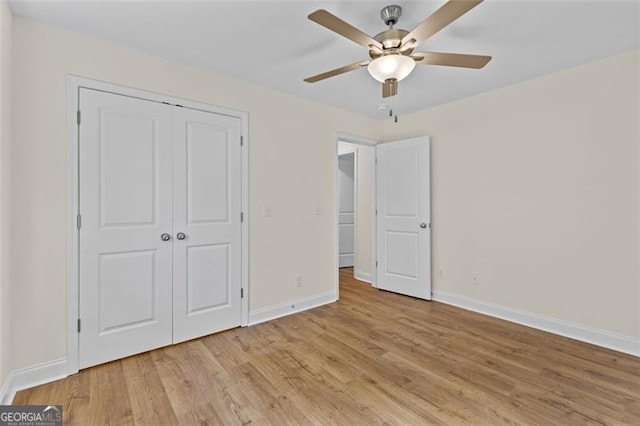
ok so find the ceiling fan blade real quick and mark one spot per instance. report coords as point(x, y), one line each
point(442, 17)
point(451, 59)
point(335, 24)
point(336, 71)
point(389, 88)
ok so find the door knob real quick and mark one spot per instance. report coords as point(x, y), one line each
point(165, 237)
point(181, 235)
point(423, 225)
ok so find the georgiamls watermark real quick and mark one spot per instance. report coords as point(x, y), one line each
point(30, 415)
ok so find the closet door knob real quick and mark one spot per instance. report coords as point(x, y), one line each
point(181, 235)
point(165, 237)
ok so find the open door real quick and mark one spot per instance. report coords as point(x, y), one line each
point(404, 217)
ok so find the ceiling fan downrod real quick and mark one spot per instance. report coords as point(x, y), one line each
point(391, 14)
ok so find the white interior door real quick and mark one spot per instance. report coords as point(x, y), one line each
point(403, 220)
point(207, 225)
point(125, 206)
point(346, 210)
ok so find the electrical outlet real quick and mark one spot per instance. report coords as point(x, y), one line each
point(475, 278)
point(299, 281)
point(266, 210)
point(443, 274)
point(320, 209)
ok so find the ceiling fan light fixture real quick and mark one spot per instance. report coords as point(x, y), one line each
point(395, 66)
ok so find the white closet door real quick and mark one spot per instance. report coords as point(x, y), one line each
point(207, 205)
point(404, 236)
point(125, 206)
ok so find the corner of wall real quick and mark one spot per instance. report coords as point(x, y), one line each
point(6, 28)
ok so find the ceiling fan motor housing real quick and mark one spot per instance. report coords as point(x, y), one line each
point(391, 14)
point(391, 38)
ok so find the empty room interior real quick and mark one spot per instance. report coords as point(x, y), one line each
point(320, 212)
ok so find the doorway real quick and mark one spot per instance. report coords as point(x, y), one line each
point(346, 209)
point(355, 206)
point(391, 214)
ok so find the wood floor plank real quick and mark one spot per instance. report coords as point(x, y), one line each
point(372, 358)
point(149, 399)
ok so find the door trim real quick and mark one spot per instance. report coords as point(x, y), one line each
point(357, 140)
point(74, 84)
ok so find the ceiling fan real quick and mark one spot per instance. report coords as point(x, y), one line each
point(392, 51)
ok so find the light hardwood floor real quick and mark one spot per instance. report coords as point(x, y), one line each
point(374, 357)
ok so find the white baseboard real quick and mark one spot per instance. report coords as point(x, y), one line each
point(54, 370)
point(269, 313)
point(363, 276)
point(596, 336)
point(32, 376)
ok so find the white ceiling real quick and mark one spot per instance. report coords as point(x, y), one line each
point(273, 44)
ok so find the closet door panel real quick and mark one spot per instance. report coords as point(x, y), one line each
point(125, 206)
point(207, 205)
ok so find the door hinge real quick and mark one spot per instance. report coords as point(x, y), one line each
point(241, 293)
point(78, 221)
point(241, 140)
point(78, 117)
point(376, 212)
point(79, 325)
point(376, 263)
point(241, 216)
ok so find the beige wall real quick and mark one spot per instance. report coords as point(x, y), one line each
point(291, 150)
point(5, 108)
point(535, 188)
point(365, 191)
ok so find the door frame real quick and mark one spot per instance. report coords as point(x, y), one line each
point(356, 140)
point(74, 84)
